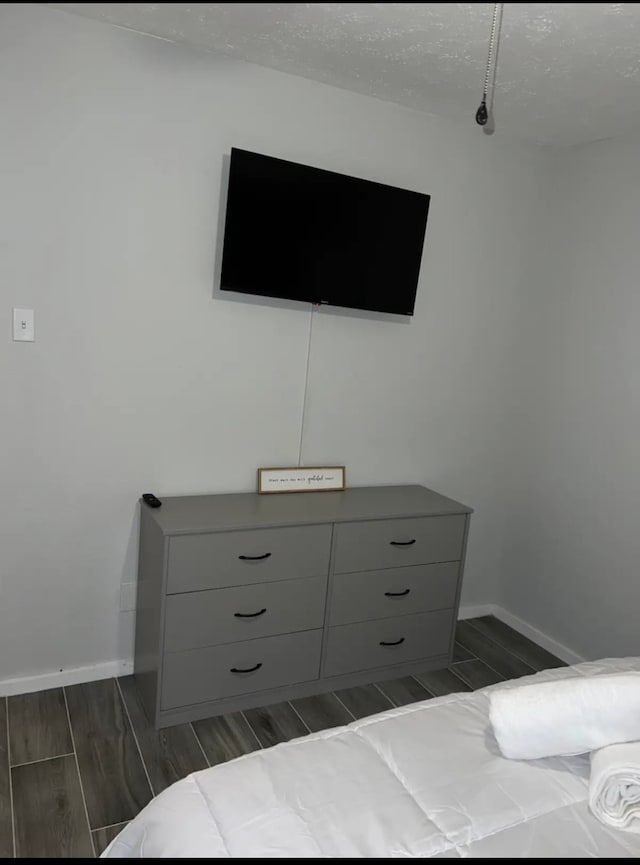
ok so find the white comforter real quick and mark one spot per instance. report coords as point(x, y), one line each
point(419, 781)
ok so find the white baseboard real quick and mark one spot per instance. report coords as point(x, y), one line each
point(542, 639)
point(524, 628)
point(59, 678)
point(473, 611)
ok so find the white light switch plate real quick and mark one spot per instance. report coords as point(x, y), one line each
point(23, 325)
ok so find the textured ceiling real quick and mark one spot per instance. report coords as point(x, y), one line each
point(569, 72)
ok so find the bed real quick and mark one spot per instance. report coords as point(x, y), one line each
point(424, 780)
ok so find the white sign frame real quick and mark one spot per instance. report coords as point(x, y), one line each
point(301, 479)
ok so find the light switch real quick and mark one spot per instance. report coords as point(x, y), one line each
point(23, 325)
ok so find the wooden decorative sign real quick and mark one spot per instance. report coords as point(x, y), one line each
point(305, 479)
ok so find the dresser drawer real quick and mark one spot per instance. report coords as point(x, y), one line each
point(379, 544)
point(210, 561)
point(217, 616)
point(199, 675)
point(367, 595)
point(384, 642)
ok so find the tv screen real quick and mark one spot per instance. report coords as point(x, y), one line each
point(306, 234)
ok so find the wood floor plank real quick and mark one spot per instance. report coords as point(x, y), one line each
point(322, 711)
point(6, 829)
point(38, 726)
point(50, 820)
point(113, 777)
point(441, 682)
point(477, 675)
point(226, 737)
point(460, 653)
point(364, 700)
point(495, 656)
point(169, 754)
point(103, 837)
point(516, 643)
point(405, 690)
point(276, 723)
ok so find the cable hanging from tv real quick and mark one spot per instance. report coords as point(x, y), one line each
point(484, 114)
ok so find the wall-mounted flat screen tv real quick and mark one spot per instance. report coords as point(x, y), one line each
point(302, 233)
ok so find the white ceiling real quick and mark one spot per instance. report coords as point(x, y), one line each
point(569, 72)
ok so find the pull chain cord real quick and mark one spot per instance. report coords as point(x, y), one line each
point(482, 114)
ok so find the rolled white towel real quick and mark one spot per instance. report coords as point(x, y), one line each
point(614, 786)
point(568, 716)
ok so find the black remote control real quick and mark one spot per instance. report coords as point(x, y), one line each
point(151, 500)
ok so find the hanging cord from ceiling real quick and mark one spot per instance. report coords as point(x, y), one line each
point(484, 114)
point(306, 383)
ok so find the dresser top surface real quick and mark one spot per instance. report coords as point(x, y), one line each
point(181, 515)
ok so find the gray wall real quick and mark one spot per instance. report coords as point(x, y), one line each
point(111, 161)
point(572, 552)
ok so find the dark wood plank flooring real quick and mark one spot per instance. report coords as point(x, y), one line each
point(460, 653)
point(364, 700)
point(168, 754)
point(403, 691)
point(276, 723)
point(39, 726)
point(116, 786)
point(73, 806)
point(493, 654)
point(322, 711)
point(441, 682)
point(6, 816)
point(50, 819)
point(226, 737)
point(476, 674)
point(528, 651)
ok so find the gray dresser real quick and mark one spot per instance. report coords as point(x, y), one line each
point(245, 600)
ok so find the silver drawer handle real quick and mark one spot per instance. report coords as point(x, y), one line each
point(248, 670)
point(402, 543)
point(397, 594)
point(394, 643)
point(250, 615)
point(254, 558)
